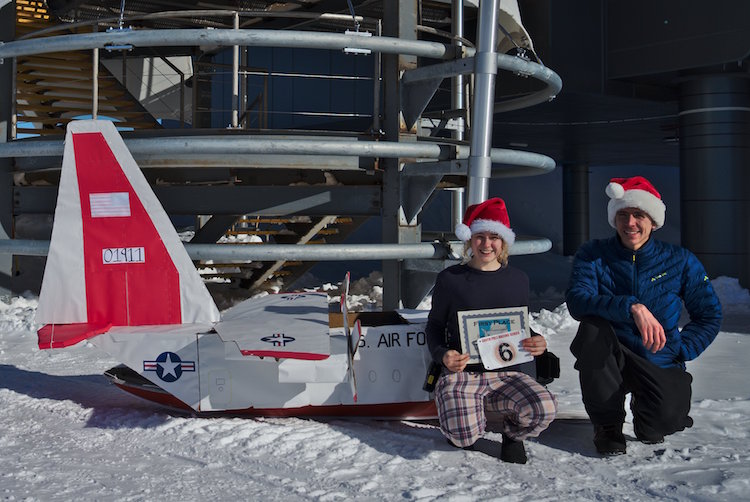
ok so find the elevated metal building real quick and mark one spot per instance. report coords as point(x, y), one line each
point(298, 122)
point(281, 120)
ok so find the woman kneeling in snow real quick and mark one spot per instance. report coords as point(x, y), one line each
point(464, 392)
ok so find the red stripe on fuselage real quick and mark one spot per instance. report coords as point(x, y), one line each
point(121, 294)
point(305, 356)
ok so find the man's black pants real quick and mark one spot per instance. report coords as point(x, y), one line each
point(660, 399)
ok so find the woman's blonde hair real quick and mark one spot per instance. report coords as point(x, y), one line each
point(502, 258)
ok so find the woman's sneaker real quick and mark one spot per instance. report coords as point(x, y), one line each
point(513, 451)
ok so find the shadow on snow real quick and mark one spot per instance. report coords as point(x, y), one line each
point(111, 408)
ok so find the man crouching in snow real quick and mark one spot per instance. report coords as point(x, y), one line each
point(628, 292)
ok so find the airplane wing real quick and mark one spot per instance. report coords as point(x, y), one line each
point(57, 336)
point(115, 258)
point(291, 325)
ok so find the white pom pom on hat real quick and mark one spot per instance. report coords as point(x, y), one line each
point(614, 190)
point(636, 192)
point(489, 216)
point(463, 232)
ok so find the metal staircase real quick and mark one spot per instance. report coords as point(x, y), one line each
point(298, 230)
point(53, 89)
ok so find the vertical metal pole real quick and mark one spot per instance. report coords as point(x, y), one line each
point(122, 14)
point(235, 75)
point(243, 87)
point(457, 206)
point(485, 70)
point(182, 100)
point(376, 77)
point(458, 103)
point(13, 102)
point(95, 81)
point(196, 88)
point(264, 116)
point(457, 89)
point(124, 70)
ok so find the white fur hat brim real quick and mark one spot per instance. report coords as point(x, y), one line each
point(464, 232)
point(640, 199)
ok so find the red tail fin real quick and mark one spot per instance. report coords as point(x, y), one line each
point(130, 277)
point(115, 258)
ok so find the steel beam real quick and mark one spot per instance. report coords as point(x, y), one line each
point(420, 84)
point(231, 200)
point(310, 252)
point(225, 38)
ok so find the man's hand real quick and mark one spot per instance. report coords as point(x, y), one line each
point(455, 361)
point(651, 330)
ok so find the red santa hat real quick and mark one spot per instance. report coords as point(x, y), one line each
point(635, 192)
point(489, 216)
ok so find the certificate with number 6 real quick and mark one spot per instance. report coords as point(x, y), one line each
point(476, 324)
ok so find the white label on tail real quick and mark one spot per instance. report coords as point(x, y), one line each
point(123, 255)
point(104, 205)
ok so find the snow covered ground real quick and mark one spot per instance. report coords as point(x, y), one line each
point(67, 434)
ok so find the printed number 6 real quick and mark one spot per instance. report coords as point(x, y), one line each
point(506, 353)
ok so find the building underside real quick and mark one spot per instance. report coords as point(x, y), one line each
point(241, 138)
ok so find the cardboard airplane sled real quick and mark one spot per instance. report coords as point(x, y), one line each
point(118, 276)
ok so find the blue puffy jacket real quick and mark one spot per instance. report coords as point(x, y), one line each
point(608, 278)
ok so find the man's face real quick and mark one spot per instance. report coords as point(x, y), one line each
point(634, 226)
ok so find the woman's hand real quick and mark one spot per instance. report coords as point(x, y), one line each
point(535, 345)
point(455, 361)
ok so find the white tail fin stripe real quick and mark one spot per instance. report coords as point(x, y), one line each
point(62, 299)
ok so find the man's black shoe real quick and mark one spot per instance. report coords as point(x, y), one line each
point(609, 439)
point(513, 451)
point(653, 438)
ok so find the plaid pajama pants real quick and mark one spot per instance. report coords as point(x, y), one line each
point(464, 400)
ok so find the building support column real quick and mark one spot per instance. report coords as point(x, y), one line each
point(483, 109)
point(399, 20)
point(714, 172)
point(575, 207)
point(7, 100)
